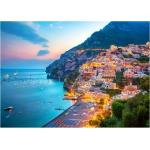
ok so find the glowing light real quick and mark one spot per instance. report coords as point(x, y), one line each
point(92, 108)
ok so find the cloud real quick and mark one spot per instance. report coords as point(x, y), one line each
point(25, 31)
point(55, 26)
point(43, 52)
point(35, 26)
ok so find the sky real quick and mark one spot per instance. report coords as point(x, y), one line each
point(37, 44)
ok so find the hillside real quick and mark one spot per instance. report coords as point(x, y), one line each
point(117, 33)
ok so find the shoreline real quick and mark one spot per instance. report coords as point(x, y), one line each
point(59, 115)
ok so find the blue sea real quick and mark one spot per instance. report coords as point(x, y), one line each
point(32, 96)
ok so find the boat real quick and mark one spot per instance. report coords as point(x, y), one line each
point(59, 109)
point(16, 74)
point(6, 76)
point(8, 108)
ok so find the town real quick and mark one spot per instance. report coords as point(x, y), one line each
point(110, 76)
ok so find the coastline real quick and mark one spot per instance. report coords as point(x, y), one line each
point(59, 115)
point(66, 88)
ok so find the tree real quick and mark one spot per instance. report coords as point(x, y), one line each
point(117, 108)
point(144, 83)
point(101, 101)
point(142, 115)
point(94, 122)
point(133, 112)
point(128, 119)
point(108, 122)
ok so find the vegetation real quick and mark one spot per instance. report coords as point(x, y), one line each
point(120, 50)
point(135, 81)
point(101, 101)
point(143, 59)
point(131, 113)
point(144, 83)
point(120, 79)
point(72, 77)
point(128, 56)
point(117, 108)
point(54, 72)
point(109, 122)
point(98, 85)
point(112, 92)
point(94, 122)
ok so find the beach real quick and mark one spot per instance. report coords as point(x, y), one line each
point(76, 116)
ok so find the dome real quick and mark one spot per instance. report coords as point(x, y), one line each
point(131, 88)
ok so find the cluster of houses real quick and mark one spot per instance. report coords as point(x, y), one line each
point(102, 70)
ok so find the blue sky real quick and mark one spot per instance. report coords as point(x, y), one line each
point(37, 44)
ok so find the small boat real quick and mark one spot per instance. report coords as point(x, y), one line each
point(8, 108)
point(7, 116)
point(6, 76)
point(37, 102)
point(59, 109)
point(16, 74)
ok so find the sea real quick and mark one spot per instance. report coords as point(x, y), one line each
point(32, 96)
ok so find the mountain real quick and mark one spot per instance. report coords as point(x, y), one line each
point(119, 33)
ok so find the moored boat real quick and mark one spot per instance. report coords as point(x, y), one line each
point(8, 108)
point(59, 109)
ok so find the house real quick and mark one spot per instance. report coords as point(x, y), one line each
point(130, 90)
point(137, 68)
point(128, 61)
point(109, 71)
point(125, 53)
point(109, 85)
point(88, 75)
point(129, 73)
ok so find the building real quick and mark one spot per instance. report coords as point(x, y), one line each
point(130, 90)
point(137, 68)
point(109, 71)
point(109, 85)
point(129, 73)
